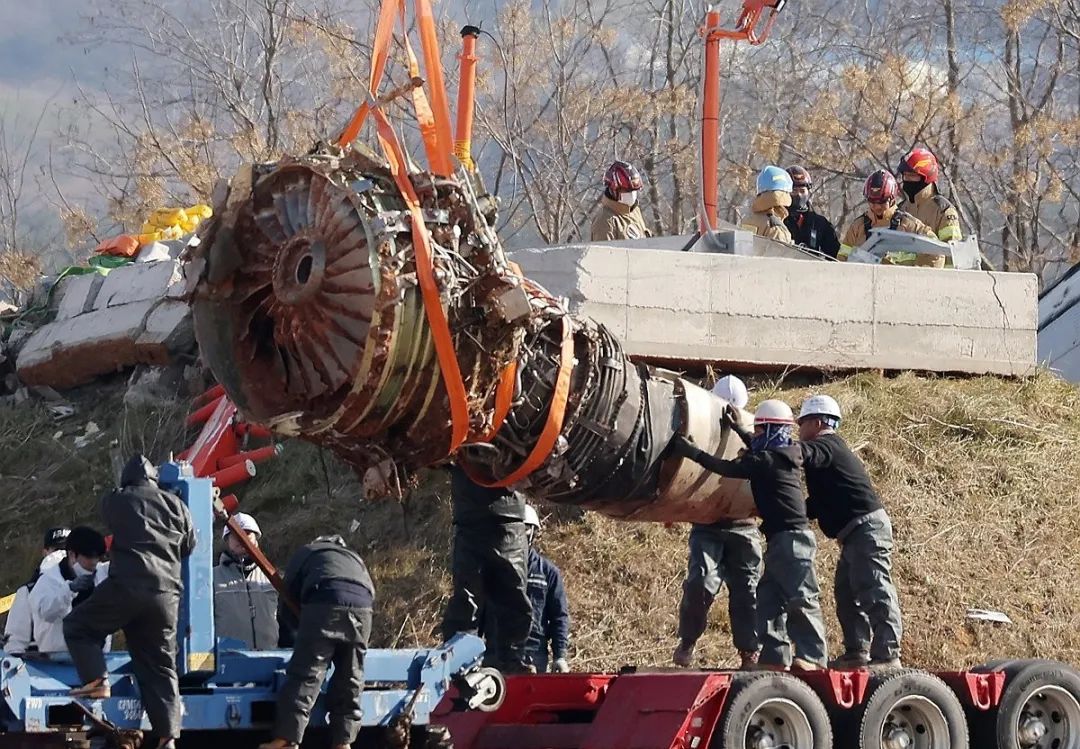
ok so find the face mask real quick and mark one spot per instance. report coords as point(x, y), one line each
point(911, 189)
point(80, 571)
point(800, 203)
point(774, 436)
point(629, 198)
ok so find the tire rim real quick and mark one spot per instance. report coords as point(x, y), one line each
point(778, 724)
point(915, 722)
point(1050, 719)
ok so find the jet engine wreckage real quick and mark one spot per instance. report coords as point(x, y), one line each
point(346, 299)
point(309, 311)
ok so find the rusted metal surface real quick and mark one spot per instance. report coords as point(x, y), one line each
point(308, 309)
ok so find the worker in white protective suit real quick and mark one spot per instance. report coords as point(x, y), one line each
point(19, 629)
point(65, 586)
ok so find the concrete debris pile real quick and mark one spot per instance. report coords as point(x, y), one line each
point(107, 323)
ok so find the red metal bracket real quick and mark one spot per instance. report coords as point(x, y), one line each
point(842, 689)
point(980, 691)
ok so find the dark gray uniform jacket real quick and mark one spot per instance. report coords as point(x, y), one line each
point(151, 531)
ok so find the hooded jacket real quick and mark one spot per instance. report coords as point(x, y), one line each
point(615, 220)
point(768, 212)
point(19, 632)
point(52, 599)
point(151, 528)
point(245, 604)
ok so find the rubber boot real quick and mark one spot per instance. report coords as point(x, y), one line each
point(683, 655)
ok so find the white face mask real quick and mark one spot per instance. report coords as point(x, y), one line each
point(628, 198)
point(81, 571)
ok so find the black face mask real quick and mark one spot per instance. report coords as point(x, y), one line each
point(800, 203)
point(911, 189)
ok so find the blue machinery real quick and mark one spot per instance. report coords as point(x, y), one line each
point(226, 689)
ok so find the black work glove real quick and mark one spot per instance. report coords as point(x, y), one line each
point(731, 416)
point(81, 584)
point(682, 447)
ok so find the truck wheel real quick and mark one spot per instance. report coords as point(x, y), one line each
point(1039, 708)
point(911, 710)
point(772, 710)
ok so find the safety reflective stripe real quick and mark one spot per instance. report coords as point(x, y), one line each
point(949, 233)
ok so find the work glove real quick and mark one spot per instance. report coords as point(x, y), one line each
point(682, 447)
point(731, 415)
point(81, 584)
point(560, 666)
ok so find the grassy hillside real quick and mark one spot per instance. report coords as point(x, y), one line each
point(980, 475)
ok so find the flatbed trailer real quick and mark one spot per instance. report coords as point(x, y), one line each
point(1018, 704)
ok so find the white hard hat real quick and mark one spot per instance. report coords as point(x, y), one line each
point(773, 412)
point(732, 389)
point(820, 405)
point(531, 518)
point(246, 522)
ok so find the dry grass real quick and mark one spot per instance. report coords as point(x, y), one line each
point(979, 475)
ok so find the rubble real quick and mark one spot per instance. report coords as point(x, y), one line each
point(107, 323)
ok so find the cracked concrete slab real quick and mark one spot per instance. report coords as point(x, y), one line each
point(778, 312)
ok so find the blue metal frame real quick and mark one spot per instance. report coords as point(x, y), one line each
point(243, 682)
point(222, 687)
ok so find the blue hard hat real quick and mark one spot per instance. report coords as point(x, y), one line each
point(774, 178)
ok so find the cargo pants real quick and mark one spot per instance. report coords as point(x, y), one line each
point(719, 556)
point(866, 601)
point(148, 620)
point(789, 601)
point(490, 573)
point(327, 634)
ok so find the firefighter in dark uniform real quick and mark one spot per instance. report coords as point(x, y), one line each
point(332, 585)
point(152, 533)
point(808, 228)
point(489, 567)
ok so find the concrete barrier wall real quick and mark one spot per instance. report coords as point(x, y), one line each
point(776, 312)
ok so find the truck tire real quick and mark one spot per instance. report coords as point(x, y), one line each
point(910, 709)
point(772, 707)
point(1039, 707)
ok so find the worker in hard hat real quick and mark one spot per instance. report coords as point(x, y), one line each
point(66, 585)
point(881, 192)
point(918, 172)
point(335, 593)
point(722, 552)
point(843, 500)
point(789, 621)
point(489, 567)
point(619, 215)
point(245, 602)
point(770, 207)
point(807, 227)
point(550, 633)
point(732, 390)
point(152, 533)
point(19, 627)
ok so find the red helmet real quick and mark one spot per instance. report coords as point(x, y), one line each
point(800, 177)
point(881, 187)
point(920, 161)
point(622, 177)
